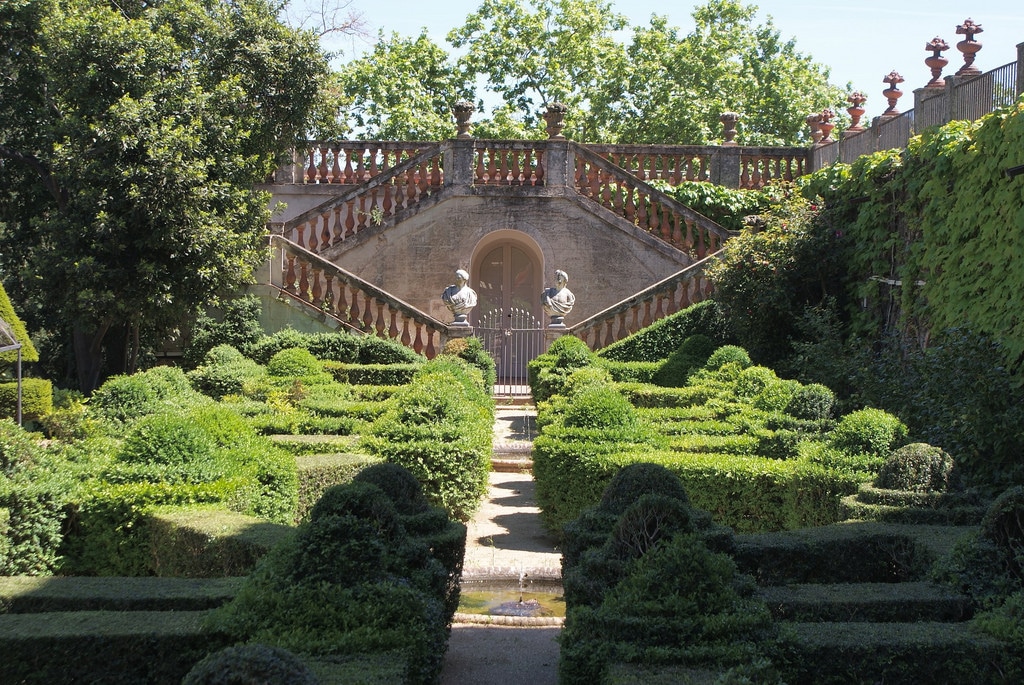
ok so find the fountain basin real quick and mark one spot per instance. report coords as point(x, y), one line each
point(507, 601)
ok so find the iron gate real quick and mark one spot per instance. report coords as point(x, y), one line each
point(513, 337)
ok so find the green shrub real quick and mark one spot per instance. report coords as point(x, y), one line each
point(252, 664)
point(691, 355)
point(812, 402)
point(36, 399)
point(238, 327)
point(1003, 525)
point(266, 347)
point(18, 451)
point(398, 483)
point(472, 350)
point(374, 350)
point(222, 354)
point(124, 398)
point(600, 406)
point(728, 354)
point(175, 449)
point(637, 479)
point(222, 374)
point(918, 467)
point(294, 362)
point(656, 342)
point(869, 432)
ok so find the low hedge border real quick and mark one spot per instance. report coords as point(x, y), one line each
point(897, 654)
point(209, 542)
point(110, 647)
point(845, 553)
point(36, 398)
point(865, 602)
point(318, 472)
point(40, 594)
point(372, 374)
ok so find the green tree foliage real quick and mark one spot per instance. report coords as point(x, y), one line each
point(17, 327)
point(132, 134)
point(621, 84)
point(403, 90)
point(673, 88)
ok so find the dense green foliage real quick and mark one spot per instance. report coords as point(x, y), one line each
point(237, 326)
point(657, 341)
point(917, 466)
point(439, 427)
point(128, 179)
point(17, 327)
point(250, 665)
point(358, 578)
point(621, 84)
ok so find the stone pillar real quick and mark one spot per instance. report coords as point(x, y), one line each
point(725, 166)
point(559, 165)
point(458, 162)
point(1020, 69)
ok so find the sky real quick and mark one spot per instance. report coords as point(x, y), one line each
point(860, 41)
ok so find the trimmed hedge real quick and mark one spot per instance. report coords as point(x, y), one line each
point(372, 374)
point(36, 399)
point(318, 472)
point(656, 342)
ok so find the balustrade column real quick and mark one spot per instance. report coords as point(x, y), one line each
point(458, 162)
point(725, 166)
point(559, 165)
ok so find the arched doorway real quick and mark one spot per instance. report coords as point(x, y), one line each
point(508, 276)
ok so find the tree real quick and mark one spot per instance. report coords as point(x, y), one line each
point(132, 133)
point(404, 90)
point(672, 89)
point(558, 52)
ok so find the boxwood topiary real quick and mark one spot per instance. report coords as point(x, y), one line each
point(813, 402)
point(253, 664)
point(728, 354)
point(175, 449)
point(691, 355)
point(294, 362)
point(1003, 525)
point(918, 467)
point(472, 350)
point(398, 483)
point(600, 406)
point(637, 479)
point(868, 432)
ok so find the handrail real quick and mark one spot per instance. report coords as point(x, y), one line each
point(330, 290)
point(646, 207)
point(370, 203)
point(668, 296)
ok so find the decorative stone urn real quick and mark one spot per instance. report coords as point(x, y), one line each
point(729, 120)
point(555, 118)
point(558, 300)
point(814, 122)
point(463, 111)
point(936, 62)
point(892, 93)
point(825, 125)
point(969, 47)
point(459, 298)
point(856, 111)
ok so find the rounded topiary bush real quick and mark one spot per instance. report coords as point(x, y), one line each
point(17, 449)
point(1003, 525)
point(600, 406)
point(635, 480)
point(123, 398)
point(222, 354)
point(813, 402)
point(362, 500)
point(646, 522)
point(871, 432)
point(180, 449)
point(253, 664)
point(918, 467)
point(295, 361)
point(727, 354)
point(472, 350)
point(398, 484)
point(570, 352)
point(691, 355)
point(753, 380)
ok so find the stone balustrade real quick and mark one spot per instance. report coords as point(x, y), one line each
point(350, 301)
point(662, 299)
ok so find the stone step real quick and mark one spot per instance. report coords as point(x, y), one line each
point(865, 602)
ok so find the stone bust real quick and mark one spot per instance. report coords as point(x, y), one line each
point(558, 300)
point(459, 297)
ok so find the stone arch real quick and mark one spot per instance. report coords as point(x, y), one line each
point(507, 271)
